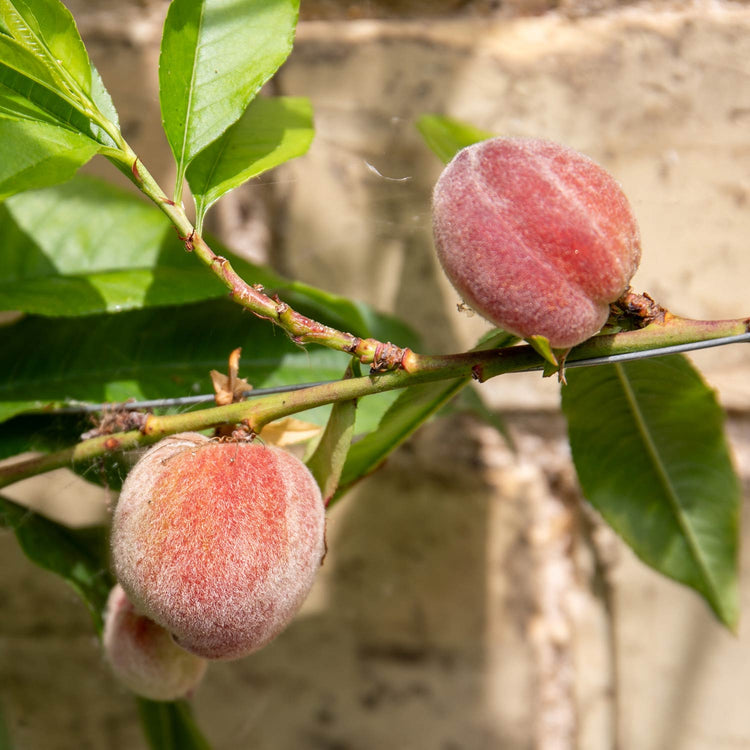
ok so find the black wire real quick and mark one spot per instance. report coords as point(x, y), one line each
point(206, 397)
point(156, 403)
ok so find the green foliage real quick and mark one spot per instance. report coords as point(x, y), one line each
point(143, 355)
point(39, 154)
point(648, 444)
point(50, 121)
point(411, 409)
point(270, 132)
point(327, 461)
point(146, 354)
point(543, 349)
point(170, 726)
point(77, 556)
point(74, 255)
point(41, 432)
point(215, 56)
point(445, 136)
point(46, 28)
point(101, 98)
point(58, 262)
point(39, 79)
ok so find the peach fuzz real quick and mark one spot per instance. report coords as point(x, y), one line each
point(143, 655)
point(218, 542)
point(536, 237)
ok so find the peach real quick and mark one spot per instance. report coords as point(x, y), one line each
point(143, 655)
point(218, 542)
point(536, 237)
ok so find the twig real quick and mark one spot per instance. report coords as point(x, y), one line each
point(381, 356)
point(204, 398)
point(416, 369)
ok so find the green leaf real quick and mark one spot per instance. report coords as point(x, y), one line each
point(16, 106)
point(497, 338)
point(341, 312)
point(45, 433)
point(100, 96)
point(446, 136)
point(47, 29)
point(270, 132)
point(648, 444)
point(41, 432)
point(215, 56)
point(65, 252)
point(327, 461)
point(29, 78)
point(88, 247)
point(23, 72)
point(36, 154)
point(78, 556)
point(405, 412)
point(412, 407)
point(147, 354)
point(540, 344)
point(103, 102)
point(47, 32)
point(170, 726)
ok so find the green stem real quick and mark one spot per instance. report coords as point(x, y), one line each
point(416, 368)
point(302, 330)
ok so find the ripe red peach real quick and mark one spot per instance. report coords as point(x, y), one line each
point(144, 656)
point(218, 542)
point(536, 237)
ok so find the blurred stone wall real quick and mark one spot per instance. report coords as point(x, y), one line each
point(469, 600)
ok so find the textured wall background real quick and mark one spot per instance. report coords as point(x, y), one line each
point(468, 600)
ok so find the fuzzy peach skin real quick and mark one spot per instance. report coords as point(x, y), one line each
point(536, 237)
point(144, 656)
point(218, 542)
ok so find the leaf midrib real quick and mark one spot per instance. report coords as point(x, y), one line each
point(39, 48)
point(664, 478)
point(191, 90)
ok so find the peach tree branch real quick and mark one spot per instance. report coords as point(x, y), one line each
point(654, 339)
point(381, 356)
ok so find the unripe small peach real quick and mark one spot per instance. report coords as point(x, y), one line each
point(143, 655)
point(536, 237)
point(218, 542)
